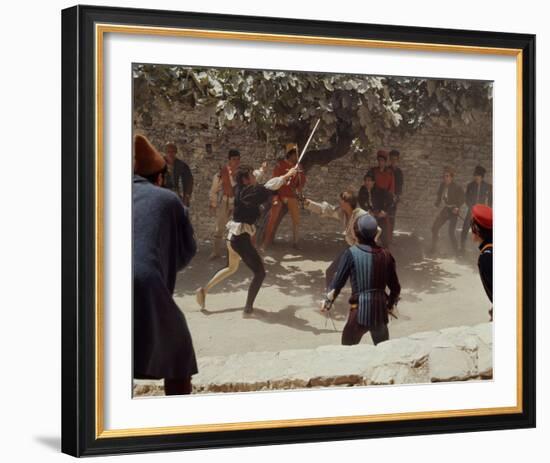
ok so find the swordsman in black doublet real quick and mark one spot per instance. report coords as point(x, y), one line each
point(248, 197)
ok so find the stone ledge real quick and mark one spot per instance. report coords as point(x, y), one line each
point(453, 354)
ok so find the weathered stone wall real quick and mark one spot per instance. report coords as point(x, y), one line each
point(453, 354)
point(423, 156)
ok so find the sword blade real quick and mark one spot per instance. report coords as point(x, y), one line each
point(332, 321)
point(308, 140)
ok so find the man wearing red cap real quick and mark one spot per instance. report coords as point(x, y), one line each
point(163, 244)
point(482, 233)
point(287, 195)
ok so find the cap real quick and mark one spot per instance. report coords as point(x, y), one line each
point(148, 160)
point(483, 216)
point(367, 226)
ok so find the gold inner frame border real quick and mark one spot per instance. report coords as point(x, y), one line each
point(100, 31)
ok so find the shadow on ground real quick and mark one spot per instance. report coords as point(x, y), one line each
point(294, 272)
point(285, 317)
point(50, 442)
point(299, 272)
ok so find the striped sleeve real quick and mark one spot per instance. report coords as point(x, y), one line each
point(342, 274)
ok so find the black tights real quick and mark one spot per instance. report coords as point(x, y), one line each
point(242, 245)
point(353, 331)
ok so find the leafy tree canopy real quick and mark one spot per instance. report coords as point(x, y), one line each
point(355, 110)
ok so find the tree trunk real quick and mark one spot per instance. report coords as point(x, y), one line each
point(340, 144)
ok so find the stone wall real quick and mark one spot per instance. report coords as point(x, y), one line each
point(423, 155)
point(452, 354)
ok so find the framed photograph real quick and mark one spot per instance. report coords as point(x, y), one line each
point(279, 230)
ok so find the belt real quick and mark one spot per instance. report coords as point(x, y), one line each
point(355, 305)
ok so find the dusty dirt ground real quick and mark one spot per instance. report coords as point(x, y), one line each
point(436, 293)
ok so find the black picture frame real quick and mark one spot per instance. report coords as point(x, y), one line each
point(79, 405)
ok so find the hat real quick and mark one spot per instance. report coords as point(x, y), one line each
point(367, 226)
point(483, 216)
point(291, 146)
point(382, 154)
point(148, 160)
point(479, 170)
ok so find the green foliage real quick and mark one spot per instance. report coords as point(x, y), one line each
point(359, 109)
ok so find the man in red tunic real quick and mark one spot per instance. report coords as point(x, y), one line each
point(286, 195)
point(383, 175)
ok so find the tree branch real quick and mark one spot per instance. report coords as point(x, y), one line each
point(340, 145)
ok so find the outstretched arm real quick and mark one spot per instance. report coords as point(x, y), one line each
point(324, 209)
point(257, 194)
point(277, 182)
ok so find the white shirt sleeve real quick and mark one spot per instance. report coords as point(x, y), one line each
point(260, 175)
point(275, 183)
point(324, 209)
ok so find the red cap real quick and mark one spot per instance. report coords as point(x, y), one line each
point(483, 215)
point(382, 154)
point(147, 160)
